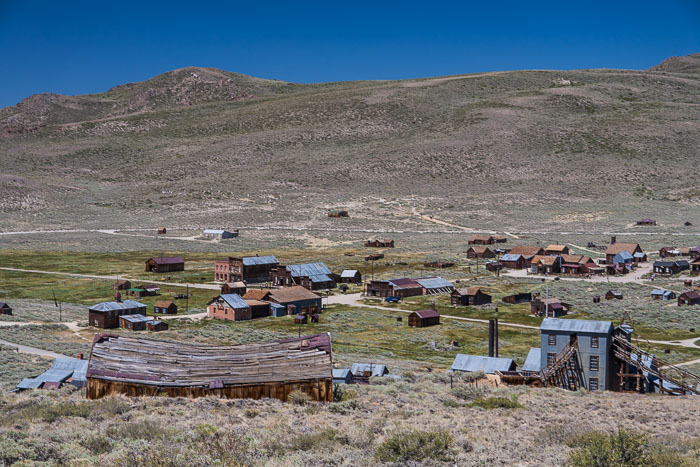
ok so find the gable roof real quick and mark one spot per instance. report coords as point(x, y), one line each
point(253, 260)
point(434, 283)
point(404, 283)
point(168, 260)
point(423, 314)
point(292, 294)
point(113, 306)
point(468, 290)
point(136, 318)
point(618, 247)
point(661, 292)
point(692, 294)
point(623, 255)
point(572, 258)
point(163, 303)
point(317, 272)
point(511, 257)
point(256, 294)
point(576, 325)
point(232, 299)
point(546, 260)
point(474, 363)
point(481, 237)
point(556, 248)
point(373, 368)
point(3, 305)
point(533, 362)
point(525, 250)
point(479, 248)
point(348, 273)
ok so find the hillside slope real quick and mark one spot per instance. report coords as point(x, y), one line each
point(503, 150)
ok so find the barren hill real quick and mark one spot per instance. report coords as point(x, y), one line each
point(503, 150)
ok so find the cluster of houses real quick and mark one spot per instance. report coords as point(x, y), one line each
point(128, 314)
point(297, 301)
point(360, 373)
point(138, 291)
point(407, 287)
point(669, 266)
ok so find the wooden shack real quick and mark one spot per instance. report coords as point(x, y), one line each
point(5, 309)
point(146, 367)
point(613, 294)
point(165, 307)
point(156, 326)
point(165, 264)
point(380, 243)
point(338, 213)
point(692, 297)
point(469, 296)
point(480, 251)
point(481, 240)
point(106, 314)
point(522, 297)
point(646, 221)
point(162, 230)
point(423, 318)
point(121, 284)
point(238, 287)
point(134, 322)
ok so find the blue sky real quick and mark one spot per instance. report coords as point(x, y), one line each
point(78, 47)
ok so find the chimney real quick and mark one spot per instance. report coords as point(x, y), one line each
point(613, 239)
point(491, 337)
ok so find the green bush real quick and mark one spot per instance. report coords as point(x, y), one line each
point(496, 403)
point(317, 440)
point(343, 407)
point(415, 446)
point(298, 397)
point(468, 392)
point(625, 448)
point(97, 444)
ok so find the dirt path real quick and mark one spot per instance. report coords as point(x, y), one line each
point(113, 278)
point(415, 212)
point(32, 350)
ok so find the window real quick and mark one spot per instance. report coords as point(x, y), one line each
point(593, 362)
point(592, 384)
point(550, 358)
point(595, 343)
point(552, 339)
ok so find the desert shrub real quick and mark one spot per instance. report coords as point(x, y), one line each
point(97, 444)
point(468, 392)
point(381, 380)
point(338, 393)
point(12, 450)
point(48, 412)
point(623, 448)
point(145, 429)
point(344, 407)
point(113, 406)
point(251, 413)
point(315, 440)
point(298, 397)
point(415, 446)
point(496, 403)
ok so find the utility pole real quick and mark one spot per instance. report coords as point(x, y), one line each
point(546, 299)
point(187, 303)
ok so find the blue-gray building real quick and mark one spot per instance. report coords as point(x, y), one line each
point(342, 376)
point(594, 340)
point(489, 365)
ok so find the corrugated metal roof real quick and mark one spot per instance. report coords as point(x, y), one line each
point(234, 300)
point(340, 373)
point(576, 325)
point(61, 370)
point(660, 292)
point(29, 383)
point(321, 278)
point(511, 257)
point(348, 273)
point(253, 260)
point(533, 361)
point(480, 363)
point(308, 269)
point(112, 306)
point(434, 283)
point(54, 376)
point(79, 367)
point(168, 260)
point(136, 318)
point(375, 369)
point(404, 283)
point(427, 313)
point(214, 231)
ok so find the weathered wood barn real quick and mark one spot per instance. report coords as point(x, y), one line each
point(556, 250)
point(380, 243)
point(469, 296)
point(423, 318)
point(522, 297)
point(313, 276)
point(165, 264)
point(480, 251)
point(691, 297)
point(616, 247)
point(5, 309)
point(239, 288)
point(481, 240)
point(250, 269)
point(351, 276)
point(165, 307)
point(121, 284)
point(230, 307)
point(552, 308)
point(646, 221)
point(338, 213)
point(514, 261)
point(145, 367)
point(106, 314)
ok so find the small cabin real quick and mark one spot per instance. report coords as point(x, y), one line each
point(613, 294)
point(162, 231)
point(238, 287)
point(338, 213)
point(469, 296)
point(5, 309)
point(663, 295)
point(691, 297)
point(423, 318)
point(156, 326)
point(134, 322)
point(342, 376)
point(351, 276)
point(165, 264)
point(165, 307)
point(380, 243)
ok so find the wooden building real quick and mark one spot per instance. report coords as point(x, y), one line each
point(692, 297)
point(494, 266)
point(106, 314)
point(670, 267)
point(145, 367)
point(522, 297)
point(551, 308)
point(380, 243)
point(351, 276)
point(481, 240)
point(121, 284)
point(423, 318)
point(134, 322)
point(165, 264)
point(480, 251)
point(338, 213)
point(695, 267)
point(229, 307)
point(616, 247)
point(5, 309)
point(469, 296)
point(646, 221)
point(156, 326)
point(313, 276)
point(514, 261)
point(162, 231)
point(500, 239)
point(374, 257)
point(258, 309)
point(297, 299)
point(239, 288)
point(379, 289)
point(556, 250)
point(438, 264)
point(249, 269)
point(613, 294)
point(545, 264)
point(165, 307)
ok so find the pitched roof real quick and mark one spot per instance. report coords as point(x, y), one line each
point(168, 260)
point(113, 306)
point(232, 299)
point(624, 255)
point(556, 248)
point(660, 292)
point(292, 294)
point(3, 305)
point(480, 237)
point(533, 362)
point(163, 303)
point(546, 260)
point(236, 285)
point(423, 314)
point(167, 363)
point(373, 368)
point(434, 283)
point(251, 260)
point(572, 258)
point(405, 283)
point(137, 318)
point(479, 248)
point(468, 290)
point(317, 272)
point(511, 257)
point(692, 294)
point(256, 294)
point(525, 250)
point(576, 325)
point(61, 370)
point(348, 273)
point(480, 363)
point(617, 247)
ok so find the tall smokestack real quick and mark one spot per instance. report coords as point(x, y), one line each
point(491, 330)
point(495, 337)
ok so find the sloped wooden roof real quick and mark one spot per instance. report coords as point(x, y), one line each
point(168, 363)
